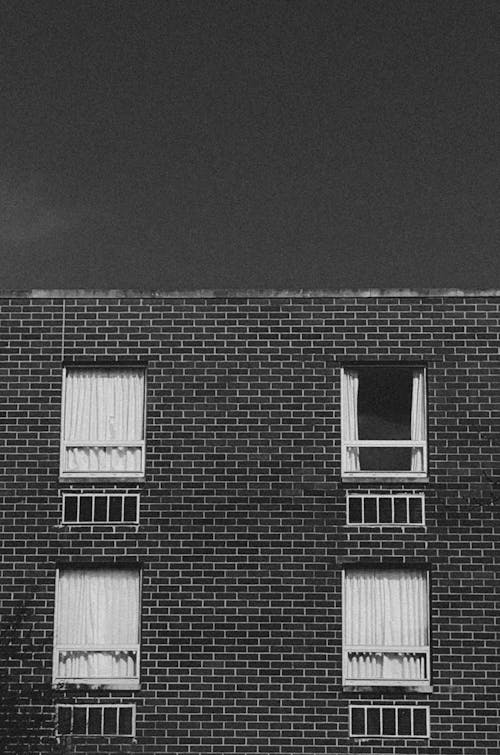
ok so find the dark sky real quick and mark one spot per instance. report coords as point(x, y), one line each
point(184, 145)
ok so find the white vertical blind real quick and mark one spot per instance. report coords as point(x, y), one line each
point(350, 417)
point(105, 407)
point(386, 609)
point(97, 608)
point(418, 419)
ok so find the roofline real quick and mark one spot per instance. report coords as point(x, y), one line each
point(247, 294)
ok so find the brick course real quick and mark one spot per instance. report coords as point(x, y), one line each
point(243, 537)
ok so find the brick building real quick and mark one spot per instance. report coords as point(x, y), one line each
point(256, 522)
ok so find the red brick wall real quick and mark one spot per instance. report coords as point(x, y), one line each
point(242, 535)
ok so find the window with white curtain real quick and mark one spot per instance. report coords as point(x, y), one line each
point(386, 627)
point(97, 627)
point(103, 423)
point(383, 421)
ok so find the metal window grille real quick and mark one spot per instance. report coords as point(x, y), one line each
point(389, 721)
point(382, 510)
point(100, 508)
point(96, 720)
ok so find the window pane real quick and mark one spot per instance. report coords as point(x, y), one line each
point(130, 509)
point(115, 509)
point(370, 511)
point(385, 510)
point(358, 721)
point(384, 402)
point(385, 459)
point(373, 721)
point(355, 510)
point(415, 510)
point(404, 721)
point(384, 609)
point(64, 720)
point(86, 509)
point(389, 721)
point(110, 720)
point(97, 607)
point(70, 509)
point(79, 720)
point(125, 721)
point(420, 722)
point(400, 514)
point(103, 420)
point(95, 720)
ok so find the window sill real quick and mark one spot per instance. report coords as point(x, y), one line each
point(102, 478)
point(121, 684)
point(394, 688)
point(377, 738)
point(366, 477)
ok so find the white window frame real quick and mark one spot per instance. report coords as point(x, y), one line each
point(65, 445)
point(423, 650)
point(381, 474)
point(392, 497)
point(382, 707)
point(93, 495)
point(87, 707)
point(126, 683)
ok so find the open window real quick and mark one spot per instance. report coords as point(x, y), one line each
point(384, 421)
point(103, 423)
point(97, 627)
point(386, 627)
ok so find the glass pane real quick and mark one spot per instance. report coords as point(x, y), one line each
point(130, 509)
point(95, 720)
point(391, 459)
point(64, 720)
point(420, 722)
point(373, 721)
point(385, 510)
point(400, 513)
point(115, 509)
point(370, 511)
point(70, 509)
point(415, 510)
point(125, 719)
point(364, 666)
point(110, 720)
point(100, 513)
point(384, 402)
point(404, 721)
point(97, 664)
point(79, 720)
point(388, 721)
point(85, 508)
point(357, 721)
point(355, 510)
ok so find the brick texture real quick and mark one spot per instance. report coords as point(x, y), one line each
point(243, 534)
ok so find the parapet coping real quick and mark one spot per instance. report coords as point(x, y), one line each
point(248, 294)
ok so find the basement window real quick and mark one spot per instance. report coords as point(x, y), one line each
point(383, 421)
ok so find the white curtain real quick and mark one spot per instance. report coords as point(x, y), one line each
point(386, 608)
point(418, 419)
point(350, 417)
point(97, 607)
point(104, 406)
